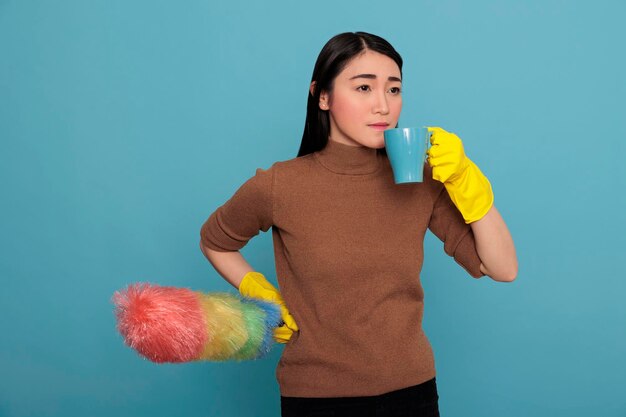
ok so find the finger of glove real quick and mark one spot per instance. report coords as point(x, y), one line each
point(436, 151)
point(444, 157)
point(288, 319)
point(443, 166)
point(446, 149)
point(282, 334)
point(437, 158)
point(436, 132)
point(442, 173)
point(430, 159)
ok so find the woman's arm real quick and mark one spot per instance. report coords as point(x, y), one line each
point(471, 193)
point(230, 265)
point(495, 247)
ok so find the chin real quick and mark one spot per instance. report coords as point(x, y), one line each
point(378, 144)
point(373, 145)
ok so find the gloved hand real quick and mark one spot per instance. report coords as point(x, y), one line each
point(255, 285)
point(468, 188)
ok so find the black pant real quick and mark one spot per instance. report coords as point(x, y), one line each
point(416, 401)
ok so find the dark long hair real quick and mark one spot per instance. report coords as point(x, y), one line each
point(333, 58)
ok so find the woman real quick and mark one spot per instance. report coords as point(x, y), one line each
point(348, 242)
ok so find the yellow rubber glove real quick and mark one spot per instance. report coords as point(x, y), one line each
point(468, 188)
point(254, 285)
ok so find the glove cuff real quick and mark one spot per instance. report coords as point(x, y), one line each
point(471, 193)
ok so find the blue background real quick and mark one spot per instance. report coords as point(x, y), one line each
point(124, 124)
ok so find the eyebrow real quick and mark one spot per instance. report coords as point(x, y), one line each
point(373, 77)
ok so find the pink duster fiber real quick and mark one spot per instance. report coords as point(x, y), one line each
point(164, 324)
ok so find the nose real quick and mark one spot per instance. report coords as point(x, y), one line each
point(380, 104)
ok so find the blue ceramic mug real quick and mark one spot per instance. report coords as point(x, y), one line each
point(406, 149)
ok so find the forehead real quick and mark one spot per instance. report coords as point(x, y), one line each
point(371, 62)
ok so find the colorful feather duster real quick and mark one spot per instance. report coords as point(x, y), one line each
point(169, 324)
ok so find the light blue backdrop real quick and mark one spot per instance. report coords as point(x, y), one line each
point(124, 124)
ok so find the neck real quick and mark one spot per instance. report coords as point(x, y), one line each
point(347, 159)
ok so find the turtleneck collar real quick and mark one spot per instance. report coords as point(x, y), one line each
point(346, 159)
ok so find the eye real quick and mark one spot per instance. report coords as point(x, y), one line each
point(395, 90)
point(363, 87)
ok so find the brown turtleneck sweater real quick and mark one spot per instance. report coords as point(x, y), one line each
point(348, 245)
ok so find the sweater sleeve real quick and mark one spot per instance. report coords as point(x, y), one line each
point(249, 210)
point(446, 222)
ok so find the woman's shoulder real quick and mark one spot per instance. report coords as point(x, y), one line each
point(283, 172)
point(293, 165)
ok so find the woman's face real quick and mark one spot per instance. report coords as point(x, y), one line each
point(366, 100)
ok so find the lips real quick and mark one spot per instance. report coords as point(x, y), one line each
point(379, 126)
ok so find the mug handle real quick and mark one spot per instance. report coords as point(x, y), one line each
point(428, 144)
